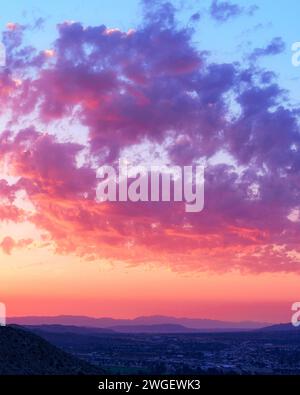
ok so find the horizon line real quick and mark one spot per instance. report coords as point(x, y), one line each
point(138, 316)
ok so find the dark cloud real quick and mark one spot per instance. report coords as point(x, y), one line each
point(275, 47)
point(222, 11)
point(196, 17)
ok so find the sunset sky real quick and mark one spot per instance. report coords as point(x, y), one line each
point(178, 83)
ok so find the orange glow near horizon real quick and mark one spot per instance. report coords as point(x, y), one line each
point(40, 283)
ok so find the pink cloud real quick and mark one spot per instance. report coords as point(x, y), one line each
point(152, 84)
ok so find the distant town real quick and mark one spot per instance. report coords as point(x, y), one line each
point(275, 351)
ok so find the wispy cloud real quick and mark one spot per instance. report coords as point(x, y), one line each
point(222, 11)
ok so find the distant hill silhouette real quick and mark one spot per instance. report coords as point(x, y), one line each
point(77, 330)
point(107, 322)
point(68, 329)
point(280, 328)
point(162, 328)
point(25, 353)
point(42, 330)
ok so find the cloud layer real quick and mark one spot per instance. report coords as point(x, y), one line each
point(151, 85)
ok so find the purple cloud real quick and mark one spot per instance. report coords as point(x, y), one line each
point(152, 84)
point(275, 47)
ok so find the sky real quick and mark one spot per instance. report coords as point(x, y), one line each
point(178, 83)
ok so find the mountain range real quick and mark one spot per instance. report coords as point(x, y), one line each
point(140, 323)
